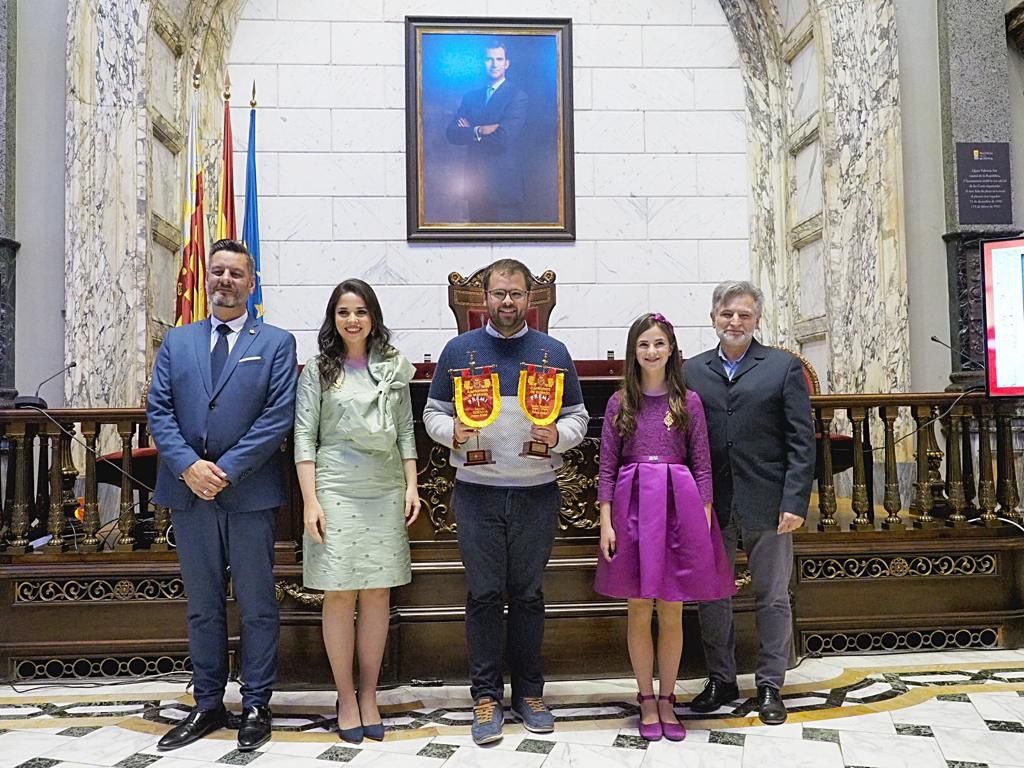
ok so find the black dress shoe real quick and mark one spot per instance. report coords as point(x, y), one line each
point(254, 728)
point(715, 694)
point(196, 724)
point(770, 708)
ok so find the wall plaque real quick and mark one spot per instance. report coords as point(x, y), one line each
point(983, 182)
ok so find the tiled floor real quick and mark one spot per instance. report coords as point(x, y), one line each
point(962, 709)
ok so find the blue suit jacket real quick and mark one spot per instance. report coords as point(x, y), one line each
point(494, 166)
point(238, 422)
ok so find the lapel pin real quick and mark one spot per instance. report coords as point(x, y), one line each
point(252, 331)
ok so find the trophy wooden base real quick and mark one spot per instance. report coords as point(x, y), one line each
point(535, 449)
point(477, 456)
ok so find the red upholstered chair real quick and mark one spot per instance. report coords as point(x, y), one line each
point(466, 300)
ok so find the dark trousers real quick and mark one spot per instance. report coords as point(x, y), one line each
point(209, 539)
point(505, 539)
point(770, 557)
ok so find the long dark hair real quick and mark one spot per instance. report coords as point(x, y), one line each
point(332, 346)
point(631, 393)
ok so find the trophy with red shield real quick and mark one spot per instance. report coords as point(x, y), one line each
point(477, 403)
point(540, 397)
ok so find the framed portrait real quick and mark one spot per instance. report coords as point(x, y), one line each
point(1002, 271)
point(489, 150)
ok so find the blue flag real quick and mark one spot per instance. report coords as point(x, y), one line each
point(251, 225)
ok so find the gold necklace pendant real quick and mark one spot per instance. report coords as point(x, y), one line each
point(668, 420)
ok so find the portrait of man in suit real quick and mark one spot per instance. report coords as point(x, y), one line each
point(221, 403)
point(489, 145)
point(489, 123)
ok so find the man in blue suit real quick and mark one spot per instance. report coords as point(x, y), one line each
point(489, 122)
point(221, 403)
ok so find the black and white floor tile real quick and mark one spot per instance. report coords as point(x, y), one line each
point(941, 710)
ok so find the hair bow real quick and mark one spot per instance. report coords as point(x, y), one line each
point(662, 319)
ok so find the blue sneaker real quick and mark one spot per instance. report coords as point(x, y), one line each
point(534, 713)
point(488, 718)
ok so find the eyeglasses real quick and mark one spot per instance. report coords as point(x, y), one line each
point(499, 295)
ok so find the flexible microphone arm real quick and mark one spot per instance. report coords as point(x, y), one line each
point(35, 401)
point(960, 352)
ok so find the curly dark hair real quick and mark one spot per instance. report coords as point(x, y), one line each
point(332, 346)
point(631, 393)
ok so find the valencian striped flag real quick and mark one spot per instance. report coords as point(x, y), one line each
point(226, 224)
point(191, 301)
point(251, 225)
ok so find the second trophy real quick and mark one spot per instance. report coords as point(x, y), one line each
point(540, 397)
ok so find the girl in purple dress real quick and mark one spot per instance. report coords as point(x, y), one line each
point(660, 544)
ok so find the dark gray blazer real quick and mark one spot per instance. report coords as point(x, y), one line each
point(761, 434)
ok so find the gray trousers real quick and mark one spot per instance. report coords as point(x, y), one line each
point(770, 557)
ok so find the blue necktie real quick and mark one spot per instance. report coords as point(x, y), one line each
point(490, 92)
point(219, 354)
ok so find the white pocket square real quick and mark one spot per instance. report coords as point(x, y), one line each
point(249, 359)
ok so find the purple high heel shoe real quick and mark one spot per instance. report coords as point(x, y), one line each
point(649, 731)
point(672, 731)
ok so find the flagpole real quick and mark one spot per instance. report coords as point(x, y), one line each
point(190, 304)
point(251, 224)
point(227, 222)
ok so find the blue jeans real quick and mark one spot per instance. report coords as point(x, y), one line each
point(505, 539)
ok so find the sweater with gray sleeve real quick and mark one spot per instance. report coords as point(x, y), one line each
point(505, 437)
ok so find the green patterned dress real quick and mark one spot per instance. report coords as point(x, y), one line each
point(358, 432)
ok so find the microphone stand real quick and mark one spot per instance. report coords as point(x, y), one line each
point(35, 401)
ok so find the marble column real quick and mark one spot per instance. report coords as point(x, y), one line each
point(974, 79)
point(8, 246)
point(105, 203)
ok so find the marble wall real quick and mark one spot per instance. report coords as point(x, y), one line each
point(661, 172)
point(106, 229)
point(674, 192)
point(866, 267)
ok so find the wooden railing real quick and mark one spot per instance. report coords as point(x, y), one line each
point(40, 474)
point(952, 487)
point(959, 478)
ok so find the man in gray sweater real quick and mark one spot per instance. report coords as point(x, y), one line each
point(506, 512)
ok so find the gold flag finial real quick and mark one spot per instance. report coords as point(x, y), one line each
point(195, 77)
point(252, 103)
point(227, 86)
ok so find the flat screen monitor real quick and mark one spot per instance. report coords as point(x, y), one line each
point(1002, 269)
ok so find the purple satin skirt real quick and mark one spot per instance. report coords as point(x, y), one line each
point(663, 547)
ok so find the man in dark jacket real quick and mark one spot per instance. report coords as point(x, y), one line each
point(762, 456)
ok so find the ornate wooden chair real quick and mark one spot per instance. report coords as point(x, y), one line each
point(466, 300)
point(842, 445)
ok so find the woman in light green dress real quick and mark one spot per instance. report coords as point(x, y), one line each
point(356, 460)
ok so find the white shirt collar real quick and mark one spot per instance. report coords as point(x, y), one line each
point(235, 325)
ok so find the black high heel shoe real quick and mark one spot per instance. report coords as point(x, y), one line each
point(351, 735)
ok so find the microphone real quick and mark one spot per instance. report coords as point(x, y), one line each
point(970, 360)
point(35, 401)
